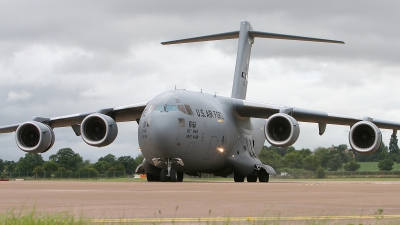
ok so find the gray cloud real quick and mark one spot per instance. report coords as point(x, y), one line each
point(81, 56)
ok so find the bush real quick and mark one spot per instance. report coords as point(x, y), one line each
point(320, 173)
point(385, 164)
point(351, 166)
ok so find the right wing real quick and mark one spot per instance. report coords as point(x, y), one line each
point(119, 114)
point(97, 128)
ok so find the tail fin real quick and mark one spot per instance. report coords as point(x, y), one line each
point(246, 36)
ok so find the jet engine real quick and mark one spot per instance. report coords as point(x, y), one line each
point(98, 130)
point(34, 137)
point(281, 130)
point(365, 137)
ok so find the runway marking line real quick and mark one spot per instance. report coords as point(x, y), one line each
point(239, 219)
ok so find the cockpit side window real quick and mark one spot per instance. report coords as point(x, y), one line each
point(182, 108)
point(181, 122)
point(189, 110)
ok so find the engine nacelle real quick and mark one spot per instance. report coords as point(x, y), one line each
point(365, 137)
point(281, 130)
point(34, 137)
point(98, 130)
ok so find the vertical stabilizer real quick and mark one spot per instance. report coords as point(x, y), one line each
point(240, 79)
point(246, 36)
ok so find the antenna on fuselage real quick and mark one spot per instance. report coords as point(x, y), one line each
point(246, 36)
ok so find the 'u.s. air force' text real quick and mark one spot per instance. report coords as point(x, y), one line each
point(209, 113)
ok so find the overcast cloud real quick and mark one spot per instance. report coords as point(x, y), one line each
point(65, 57)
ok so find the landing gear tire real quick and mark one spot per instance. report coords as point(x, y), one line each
point(263, 176)
point(151, 177)
point(238, 177)
point(173, 175)
point(180, 176)
point(252, 178)
point(163, 175)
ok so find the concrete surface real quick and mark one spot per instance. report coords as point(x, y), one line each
point(97, 199)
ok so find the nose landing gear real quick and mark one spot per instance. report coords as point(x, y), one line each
point(169, 174)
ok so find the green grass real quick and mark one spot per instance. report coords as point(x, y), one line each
point(33, 218)
point(373, 166)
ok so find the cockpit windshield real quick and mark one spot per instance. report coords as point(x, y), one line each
point(167, 108)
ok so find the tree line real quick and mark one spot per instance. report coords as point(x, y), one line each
point(332, 159)
point(66, 160)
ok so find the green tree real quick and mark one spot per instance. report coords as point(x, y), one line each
point(101, 166)
point(1, 165)
point(139, 159)
point(324, 156)
point(311, 162)
point(110, 158)
point(385, 164)
point(67, 158)
point(270, 157)
point(29, 162)
point(287, 150)
point(128, 162)
point(394, 150)
point(63, 170)
point(278, 150)
point(88, 168)
point(50, 166)
point(10, 166)
point(351, 166)
point(304, 152)
point(117, 167)
point(293, 160)
point(38, 169)
point(335, 161)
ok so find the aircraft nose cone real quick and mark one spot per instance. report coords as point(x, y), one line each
point(163, 131)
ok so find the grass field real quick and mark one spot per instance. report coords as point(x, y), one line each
point(373, 166)
point(34, 218)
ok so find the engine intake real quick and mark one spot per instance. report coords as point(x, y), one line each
point(34, 137)
point(98, 130)
point(365, 137)
point(281, 130)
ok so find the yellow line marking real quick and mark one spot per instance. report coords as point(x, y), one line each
point(239, 219)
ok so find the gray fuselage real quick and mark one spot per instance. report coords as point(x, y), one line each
point(202, 130)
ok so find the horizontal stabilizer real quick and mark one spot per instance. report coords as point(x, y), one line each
point(212, 37)
point(289, 37)
point(235, 34)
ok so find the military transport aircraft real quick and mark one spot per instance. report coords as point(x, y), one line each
point(189, 132)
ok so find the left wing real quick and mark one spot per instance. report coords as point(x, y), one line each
point(281, 128)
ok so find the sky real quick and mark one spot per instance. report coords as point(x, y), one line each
point(65, 57)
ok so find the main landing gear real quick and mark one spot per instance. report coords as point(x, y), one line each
point(262, 176)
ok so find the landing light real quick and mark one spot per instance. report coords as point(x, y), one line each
point(220, 149)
